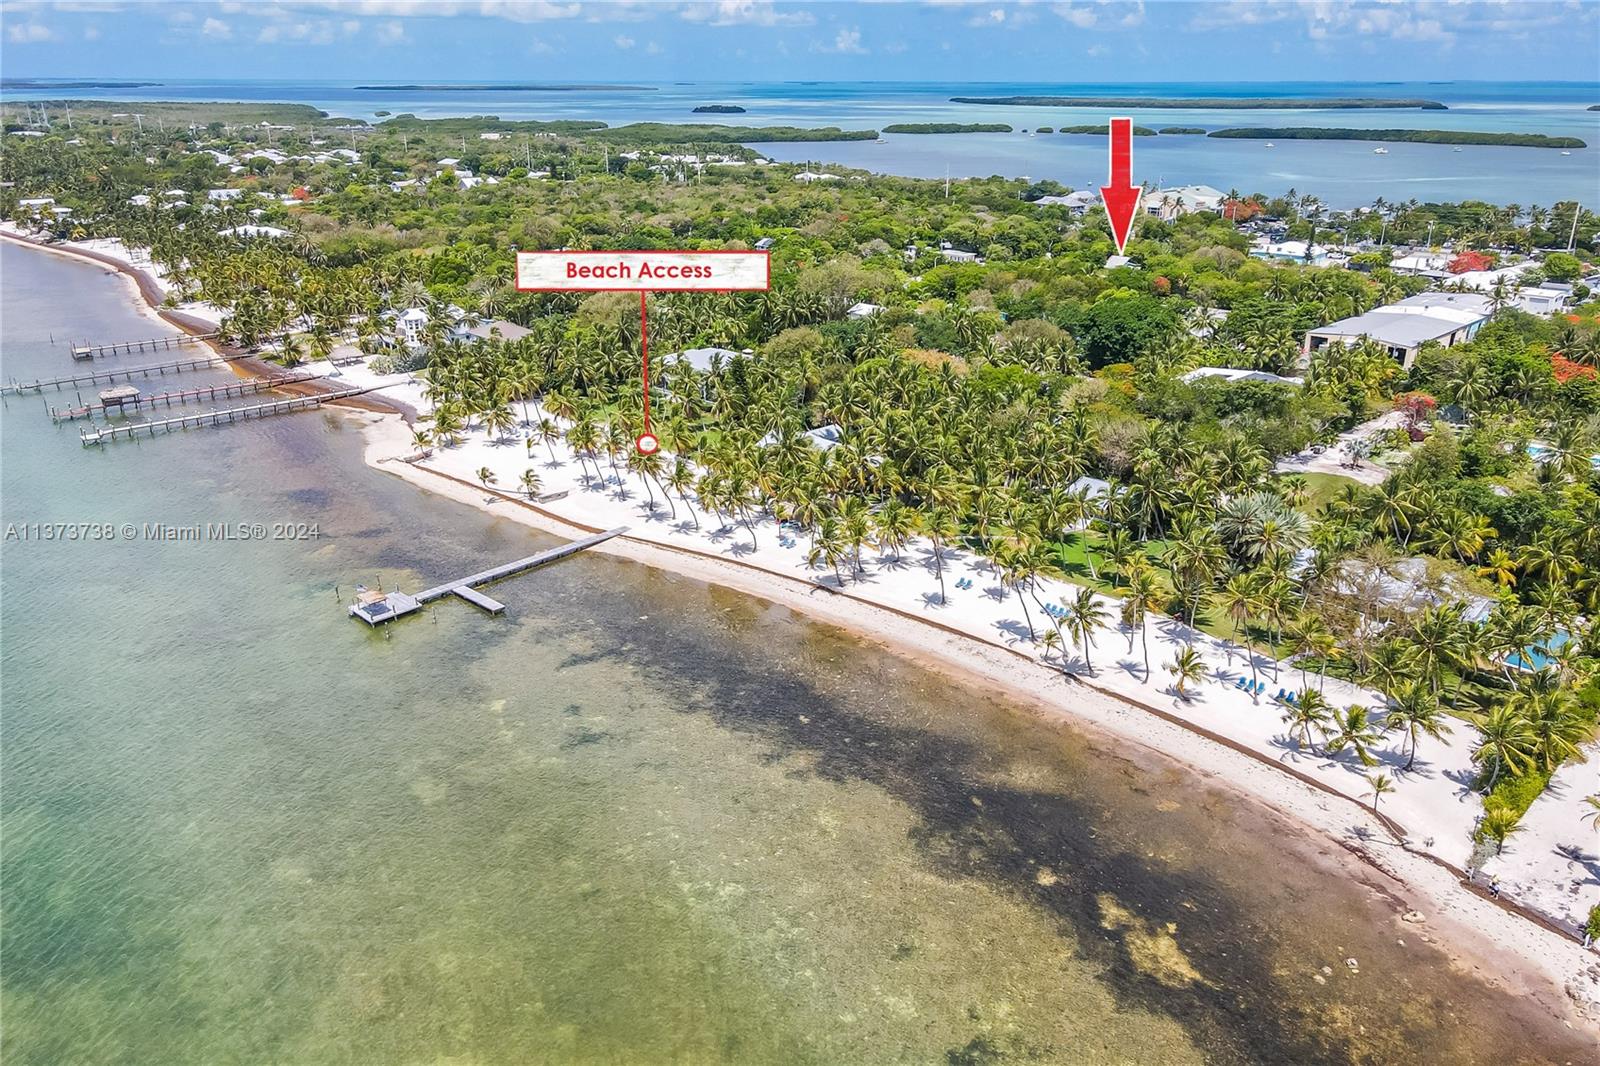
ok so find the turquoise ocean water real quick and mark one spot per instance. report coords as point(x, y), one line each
point(1343, 174)
point(637, 819)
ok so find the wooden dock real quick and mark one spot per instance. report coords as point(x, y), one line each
point(152, 344)
point(220, 391)
point(127, 373)
point(217, 418)
point(376, 608)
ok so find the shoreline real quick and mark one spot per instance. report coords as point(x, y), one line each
point(1547, 966)
point(1488, 939)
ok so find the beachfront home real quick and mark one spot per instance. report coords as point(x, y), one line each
point(1168, 204)
point(822, 438)
point(764, 244)
point(1228, 373)
point(1444, 318)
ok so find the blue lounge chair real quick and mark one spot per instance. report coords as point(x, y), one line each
point(1290, 698)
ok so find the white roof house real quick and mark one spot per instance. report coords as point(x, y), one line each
point(1293, 251)
point(810, 176)
point(448, 161)
point(254, 231)
point(1228, 373)
point(822, 438)
point(1079, 201)
point(139, 200)
point(1167, 204)
point(1446, 318)
point(37, 202)
point(701, 358)
point(224, 194)
point(862, 310)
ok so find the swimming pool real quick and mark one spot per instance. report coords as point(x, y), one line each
point(1540, 656)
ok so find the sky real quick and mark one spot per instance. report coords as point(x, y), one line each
point(765, 40)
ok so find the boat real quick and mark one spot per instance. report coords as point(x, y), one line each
point(1565, 152)
point(1271, 145)
point(1380, 151)
point(1455, 149)
point(880, 140)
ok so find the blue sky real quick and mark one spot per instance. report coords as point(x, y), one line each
point(736, 40)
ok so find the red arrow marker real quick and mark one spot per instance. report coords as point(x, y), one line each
point(1121, 196)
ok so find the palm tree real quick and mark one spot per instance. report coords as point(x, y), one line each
point(1353, 729)
point(486, 476)
point(1241, 599)
point(1309, 711)
point(1144, 595)
point(1416, 713)
point(1187, 668)
point(1499, 823)
point(1505, 741)
point(1378, 785)
point(1592, 815)
point(1085, 616)
point(940, 526)
point(530, 482)
point(828, 548)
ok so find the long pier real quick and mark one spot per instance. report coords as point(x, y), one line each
point(375, 609)
point(177, 340)
point(218, 418)
point(221, 391)
point(126, 373)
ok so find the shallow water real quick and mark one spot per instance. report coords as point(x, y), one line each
point(1343, 174)
point(636, 819)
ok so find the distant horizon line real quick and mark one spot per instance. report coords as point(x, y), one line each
point(825, 81)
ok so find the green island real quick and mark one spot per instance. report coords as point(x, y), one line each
point(667, 133)
point(947, 127)
point(1320, 133)
point(1103, 130)
point(35, 83)
point(969, 405)
point(1182, 130)
point(718, 109)
point(1206, 104)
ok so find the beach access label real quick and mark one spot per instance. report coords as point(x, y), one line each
point(643, 271)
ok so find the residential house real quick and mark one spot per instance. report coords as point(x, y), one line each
point(1445, 318)
point(1228, 373)
point(1168, 204)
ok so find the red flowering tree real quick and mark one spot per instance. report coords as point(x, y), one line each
point(1416, 408)
point(1566, 369)
point(1470, 261)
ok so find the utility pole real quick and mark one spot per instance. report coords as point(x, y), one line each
point(947, 181)
point(69, 116)
point(1572, 237)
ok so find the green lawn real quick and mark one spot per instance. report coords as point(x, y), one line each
point(1321, 487)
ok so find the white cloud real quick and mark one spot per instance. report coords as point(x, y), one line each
point(1095, 51)
point(652, 48)
point(308, 31)
point(29, 33)
point(216, 29)
point(91, 33)
point(623, 41)
point(1081, 17)
point(391, 32)
point(847, 42)
point(745, 12)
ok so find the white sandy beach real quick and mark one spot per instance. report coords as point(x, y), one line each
point(1224, 734)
